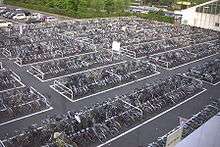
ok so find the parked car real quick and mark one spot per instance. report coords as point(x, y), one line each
point(50, 19)
point(27, 13)
point(6, 14)
point(1, 8)
point(3, 11)
point(36, 16)
point(4, 23)
point(11, 15)
point(19, 16)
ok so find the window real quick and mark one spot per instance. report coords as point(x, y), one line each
point(217, 24)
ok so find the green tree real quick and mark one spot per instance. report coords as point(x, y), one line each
point(97, 5)
point(83, 5)
point(119, 5)
point(109, 6)
point(72, 5)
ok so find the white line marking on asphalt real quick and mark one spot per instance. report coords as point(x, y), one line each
point(73, 101)
point(159, 115)
point(26, 116)
point(217, 83)
point(13, 88)
point(131, 105)
point(1, 143)
point(36, 76)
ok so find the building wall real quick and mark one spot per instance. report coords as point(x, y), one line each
point(207, 21)
point(203, 20)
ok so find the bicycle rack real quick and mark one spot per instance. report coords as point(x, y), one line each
point(64, 88)
point(131, 54)
point(6, 53)
point(159, 62)
point(142, 113)
point(32, 90)
point(37, 72)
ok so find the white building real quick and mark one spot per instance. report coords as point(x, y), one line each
point(206, 15)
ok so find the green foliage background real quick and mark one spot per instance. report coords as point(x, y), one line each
point(77, 8)
point(86, 8)
point(172, 2)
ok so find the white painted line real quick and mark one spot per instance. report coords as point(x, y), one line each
point(29, 115)
point(11, 59)
point(22, 85)
point(36, 76)
point(73, 101)
point(16, 77)
point(1, 143)
point(42, 96)
point(146, 122)
point(217, 83)
point(12, 88)
point(17, 64)
point(131, 105)
point(53, 59)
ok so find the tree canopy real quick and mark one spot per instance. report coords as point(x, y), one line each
point(78, 7)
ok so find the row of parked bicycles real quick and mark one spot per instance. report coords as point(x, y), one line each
point(87, 83)
point(46, 51)
point(209, 71)
point(125, 30)
point(32, 44)
point(41, 44)
point(35, 43)
point(163, 93)
point(9, 80)
point(178, 57)
point(70, 65)
point(92, 124)
point(20, 102)
point(104, 120)
point(169, 44)
point(191, 124)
